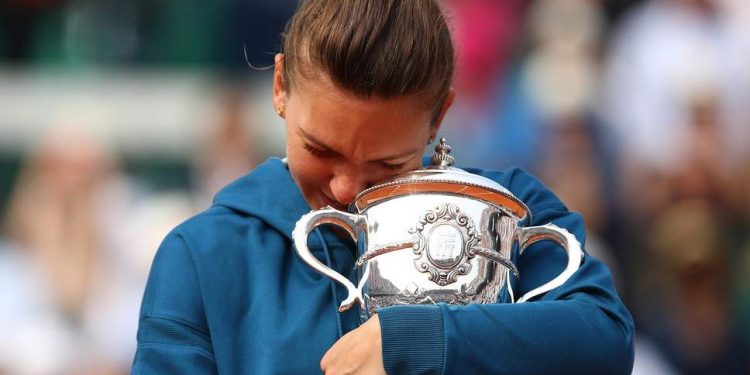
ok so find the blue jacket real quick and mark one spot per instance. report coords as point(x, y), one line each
point(227, 294)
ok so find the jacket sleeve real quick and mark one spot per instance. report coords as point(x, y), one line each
point(173, 336)
point(580, 327)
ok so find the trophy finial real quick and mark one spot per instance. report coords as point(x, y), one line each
point(441, 157)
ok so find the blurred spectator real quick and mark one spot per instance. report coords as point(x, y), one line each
point(228, 148)
point(78, 266)
point(689, 289)
point(676, 90)
point(674, 65)
point(561, 69)
point(560, 78)
point(573, 167)
point(52, 213)
point(486, 34)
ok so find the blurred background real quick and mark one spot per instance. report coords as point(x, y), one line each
point(119, 119)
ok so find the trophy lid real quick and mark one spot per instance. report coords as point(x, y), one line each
point(442, 177)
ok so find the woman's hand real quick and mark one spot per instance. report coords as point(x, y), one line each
point(358, 352)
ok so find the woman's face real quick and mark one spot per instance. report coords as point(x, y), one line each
point(338, 144)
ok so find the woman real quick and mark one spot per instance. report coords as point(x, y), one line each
point(362, 85)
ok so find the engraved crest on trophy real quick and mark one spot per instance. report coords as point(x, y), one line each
point(444, 239)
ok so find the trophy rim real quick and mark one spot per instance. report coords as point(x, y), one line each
point(399, 188)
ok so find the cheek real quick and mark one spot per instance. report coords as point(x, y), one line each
point(308, 172)
point(312, 174)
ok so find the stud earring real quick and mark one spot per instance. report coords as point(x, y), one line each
point(280, 111)
point(432, 139)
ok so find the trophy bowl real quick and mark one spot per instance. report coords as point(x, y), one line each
point(435, 235)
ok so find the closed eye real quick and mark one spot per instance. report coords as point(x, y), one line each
point(392, 167)
point(324, 153)
point(318, 152)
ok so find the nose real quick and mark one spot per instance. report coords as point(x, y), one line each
point(346, 184)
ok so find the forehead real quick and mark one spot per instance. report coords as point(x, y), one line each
point(321, 86)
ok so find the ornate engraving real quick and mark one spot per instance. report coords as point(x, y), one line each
point(443, 241)
point(419, 296)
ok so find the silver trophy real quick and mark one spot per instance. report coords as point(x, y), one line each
point(436, 235)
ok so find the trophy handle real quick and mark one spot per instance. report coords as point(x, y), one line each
point(563, 238)
point(355, 225)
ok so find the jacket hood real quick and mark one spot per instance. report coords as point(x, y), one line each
point(279, 207)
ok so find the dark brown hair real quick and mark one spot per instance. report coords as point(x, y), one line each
point(380, 48)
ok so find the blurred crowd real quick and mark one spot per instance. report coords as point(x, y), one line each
point(636, 113)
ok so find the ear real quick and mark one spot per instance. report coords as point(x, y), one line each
point(449, 98)
point(279, 89)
